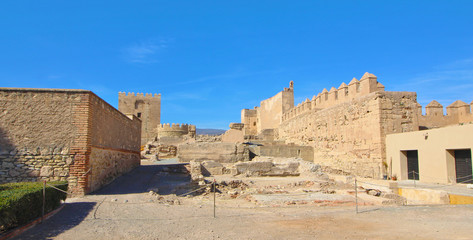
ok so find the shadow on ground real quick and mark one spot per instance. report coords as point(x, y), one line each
point(147, 178)
point(70, 216)
point(140, 180)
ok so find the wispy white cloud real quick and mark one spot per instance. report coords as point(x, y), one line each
point(145, 51)
point(239, 73)
point(459, 64)
point(446, 84)
point(53, 77)
point(190, 95)
point(186, 96)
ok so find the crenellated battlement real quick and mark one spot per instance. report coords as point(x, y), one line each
point(457, 112)
point(173, 126)
point(145, 106)
point(356, 88)
point(175, 130)
point(139, 95)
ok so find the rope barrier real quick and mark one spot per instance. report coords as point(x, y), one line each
point(180, 195)
point(423, 176)
point(430, 177)
point(58, 189)
point(374, 184)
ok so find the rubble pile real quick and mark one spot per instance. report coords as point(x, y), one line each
point(153, 151)
point(165, 199)
point(208, 138)
point(258, 167)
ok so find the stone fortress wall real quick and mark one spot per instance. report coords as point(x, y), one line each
point(347, 125)
point(268, 115)
point(175, 130)
point(146, 107)
point(73, 135)
point(458, 112)
point(351, 136)
point(249, 117)
point(114, 143)
point(345, 93)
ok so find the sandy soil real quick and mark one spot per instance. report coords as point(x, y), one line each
point(128, 211)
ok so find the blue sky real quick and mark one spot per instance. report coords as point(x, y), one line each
point(210, 59)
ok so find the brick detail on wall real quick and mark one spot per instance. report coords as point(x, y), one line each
point(49, 134)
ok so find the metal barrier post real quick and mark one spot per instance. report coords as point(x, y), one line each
point(44, 199)
point(356, 196)
point(214, 196)
point(414, 176)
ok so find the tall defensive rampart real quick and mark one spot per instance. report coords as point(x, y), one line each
point(146, 107)
point(351, 135)
point(269, 113)
point(345, 93)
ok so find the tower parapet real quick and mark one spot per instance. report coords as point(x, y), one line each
point(356, 88)
point(175, 130)
point(457, 112)
point(132, 94)
point(146, 107)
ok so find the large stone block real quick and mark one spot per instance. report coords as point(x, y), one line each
point(46, 171)
point(254, 168)
point(212, 168)
point(213, 151)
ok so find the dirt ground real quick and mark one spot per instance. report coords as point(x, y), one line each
point(126, 209)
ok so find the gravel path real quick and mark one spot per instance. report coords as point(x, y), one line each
point(125, 210)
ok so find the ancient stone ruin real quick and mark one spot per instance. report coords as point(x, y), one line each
point(61, 134)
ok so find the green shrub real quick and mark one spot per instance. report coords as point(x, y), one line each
point(23, 202)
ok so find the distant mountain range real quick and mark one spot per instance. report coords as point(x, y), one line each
point(209, 131)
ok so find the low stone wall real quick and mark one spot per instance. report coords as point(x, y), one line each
point(267, 168)
point(260, 166)
point(49, 134)
point(28, 167)
point(233, 136)
point(114, 142)
point(287, 151)
point(107, 164)
point(42, 133)
point(215, 151)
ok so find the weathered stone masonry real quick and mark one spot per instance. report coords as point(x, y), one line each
point(351, 136)
point(68, 135)
point(346, 126)
point(147, 107)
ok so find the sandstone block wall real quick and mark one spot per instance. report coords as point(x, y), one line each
point(351, 135)
point(175, 130)
point(43, 135)
point(249, 119)
point(147, 107)
point(457, 112)
point(233, 136)
point(114, 143)
point(287, 151)
point(213, 151)
point(269, 113)
point(344, 93)
point(47, 134)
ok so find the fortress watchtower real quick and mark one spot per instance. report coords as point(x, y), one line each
point(146, 107)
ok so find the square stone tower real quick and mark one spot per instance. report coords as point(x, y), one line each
point(146, 107)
